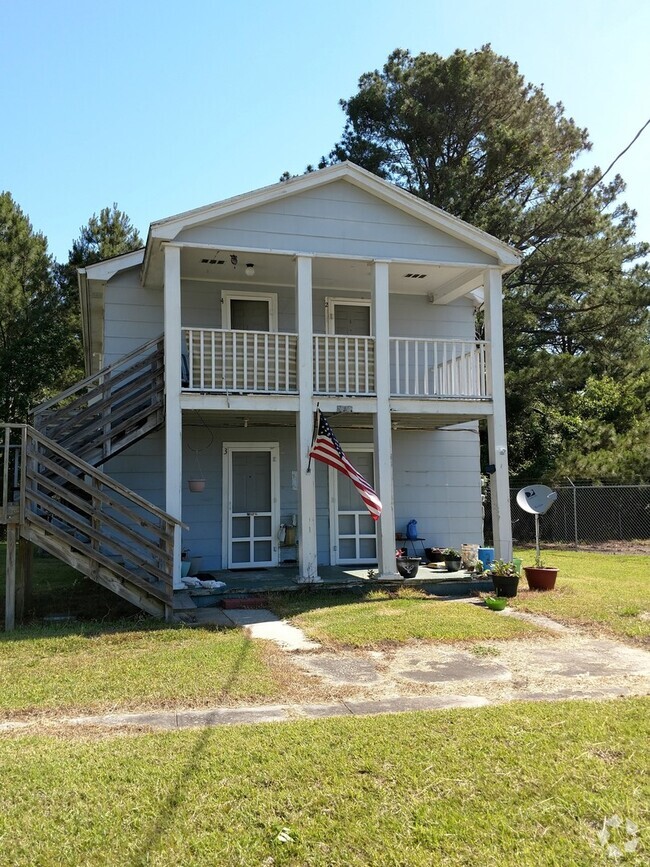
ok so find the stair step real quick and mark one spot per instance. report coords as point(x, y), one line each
point(183, 601)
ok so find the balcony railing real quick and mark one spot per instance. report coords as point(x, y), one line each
point(439, 368)
point(344, 365)
point(249, 361)
point(265, 362)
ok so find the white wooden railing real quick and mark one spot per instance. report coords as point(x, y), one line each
point(422, 367)
point(344, 365)
point(251, 361)
point(264, 362)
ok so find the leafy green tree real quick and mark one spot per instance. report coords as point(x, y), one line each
point(38, 347)
point(469, 134)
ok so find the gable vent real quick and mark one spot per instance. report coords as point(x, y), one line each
point(416, 276)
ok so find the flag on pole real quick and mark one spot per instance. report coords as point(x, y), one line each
point(326, 448)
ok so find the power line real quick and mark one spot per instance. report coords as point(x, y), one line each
point(591, 186)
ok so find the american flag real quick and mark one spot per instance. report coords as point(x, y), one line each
point(326, 448)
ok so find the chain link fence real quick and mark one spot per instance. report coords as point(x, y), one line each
point(584, 515)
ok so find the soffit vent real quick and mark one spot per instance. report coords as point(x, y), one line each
point(212, 261)
point(415, 276)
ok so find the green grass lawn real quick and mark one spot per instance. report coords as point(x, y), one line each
point(523, 784)
point(381, 618)
point(606, 591)
point(95, 667)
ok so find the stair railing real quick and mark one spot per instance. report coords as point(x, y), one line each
point(78, 508)
point(104, 412)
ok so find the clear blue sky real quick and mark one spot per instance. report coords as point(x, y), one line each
point(163, 107)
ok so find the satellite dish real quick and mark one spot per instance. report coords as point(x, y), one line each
point(536, 499)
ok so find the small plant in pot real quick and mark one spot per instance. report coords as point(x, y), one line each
point(539, 576)
point(505, 578)
point(452, 559)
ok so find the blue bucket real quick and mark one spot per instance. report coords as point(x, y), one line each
point(486, 556)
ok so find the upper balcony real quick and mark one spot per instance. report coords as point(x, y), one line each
point(226, 361)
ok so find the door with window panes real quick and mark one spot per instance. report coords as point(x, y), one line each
point(353, 531)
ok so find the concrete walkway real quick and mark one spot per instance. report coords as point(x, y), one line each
point(420, 676)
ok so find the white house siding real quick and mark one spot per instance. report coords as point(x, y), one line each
point(132, 316)
point(335, 218)
point(437, 482)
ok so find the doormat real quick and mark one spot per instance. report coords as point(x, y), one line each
point(244, 602)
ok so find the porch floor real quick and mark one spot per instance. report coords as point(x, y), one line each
point(285, 578)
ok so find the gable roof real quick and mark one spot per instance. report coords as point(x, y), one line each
point(168, 229)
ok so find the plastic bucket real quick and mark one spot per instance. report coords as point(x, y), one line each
point(486, 556)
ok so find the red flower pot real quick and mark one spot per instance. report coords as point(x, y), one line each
point(541, 577)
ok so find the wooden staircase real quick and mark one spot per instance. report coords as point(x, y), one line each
point(53, 493)
point(104, 414)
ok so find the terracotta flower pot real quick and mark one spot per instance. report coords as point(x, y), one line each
point(541, 577)
point(196, 485)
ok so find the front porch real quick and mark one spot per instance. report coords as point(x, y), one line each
point(282, 579)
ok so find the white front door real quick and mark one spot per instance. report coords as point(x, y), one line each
point(251, 505)
point(353, 533)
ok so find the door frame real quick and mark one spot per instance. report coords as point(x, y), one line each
point(334, 510)
point(330, 304)
point(228, 295)
point(226, 508)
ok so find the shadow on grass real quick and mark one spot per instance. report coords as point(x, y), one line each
point(178, 791)
point(295, 602)
point(89, 628)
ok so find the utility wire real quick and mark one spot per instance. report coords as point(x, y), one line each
point(591, 186)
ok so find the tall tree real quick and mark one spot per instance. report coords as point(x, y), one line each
point(104, 236)
point(470, 135)
point(37, 333)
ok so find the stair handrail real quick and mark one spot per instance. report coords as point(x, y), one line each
point(99, 476)
point(94, 377)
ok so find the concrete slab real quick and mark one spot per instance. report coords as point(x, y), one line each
point(206, 617)
point(263, 624)
point(231, 716)
point(341, 669)
point(451, 666)
point(595, 658)
point(321, 711)
point(402, 704)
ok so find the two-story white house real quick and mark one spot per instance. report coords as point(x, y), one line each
point(336, 289)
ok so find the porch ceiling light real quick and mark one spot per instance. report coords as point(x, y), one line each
point(250, 269)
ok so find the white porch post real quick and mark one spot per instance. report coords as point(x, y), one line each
point(307, 540)
point(496, 423)
point(173, 413)
point(382, 428)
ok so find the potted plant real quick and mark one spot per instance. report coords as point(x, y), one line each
point(406, 566)
point(452, 559)
point(539, 576)
point(505, 578)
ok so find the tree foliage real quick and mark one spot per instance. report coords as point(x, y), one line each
point(104, 236)
point(469, 134)
point(38, 345)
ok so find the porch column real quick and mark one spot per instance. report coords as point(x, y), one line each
point(307, 541)
point(382, 430)
point(496, 423)
point(173, 414)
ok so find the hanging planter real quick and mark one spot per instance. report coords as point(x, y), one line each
point(197, 484)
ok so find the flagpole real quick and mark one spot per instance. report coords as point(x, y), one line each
point(313, 436)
